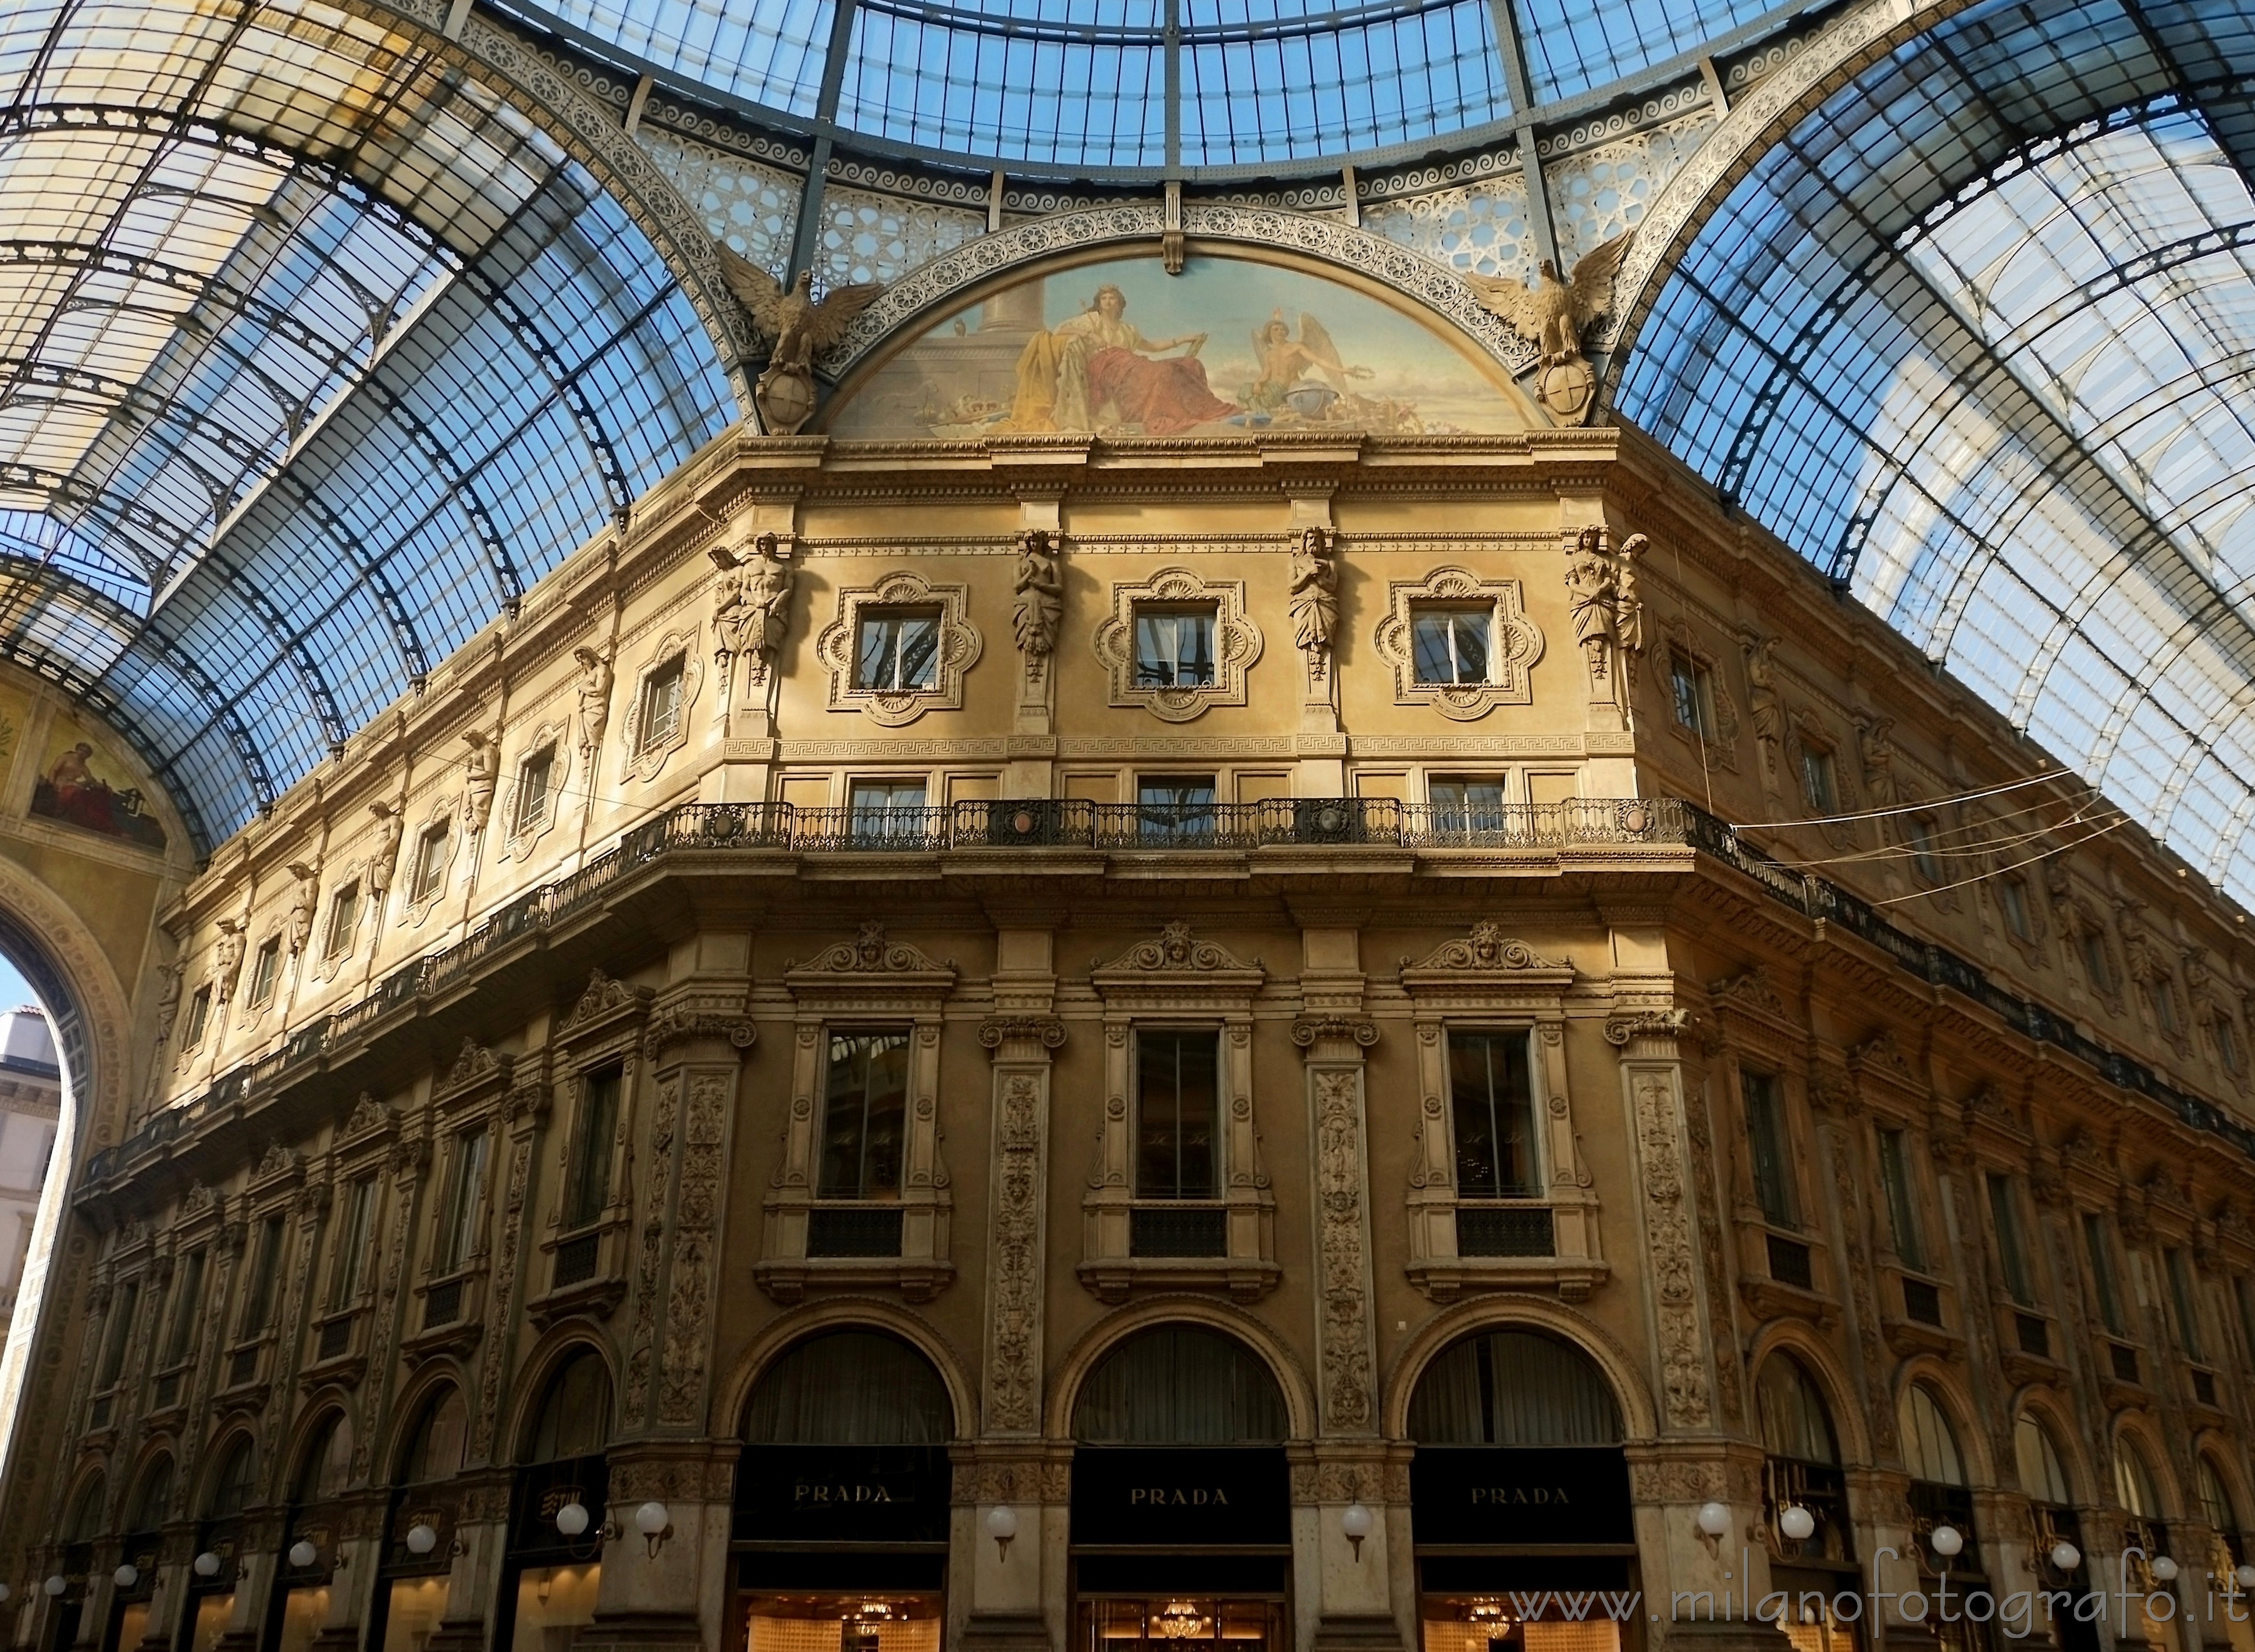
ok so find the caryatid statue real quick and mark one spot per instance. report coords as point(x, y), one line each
point(302, 902)
point(1594, 591)
point(593, 691)
point(1040, 608)
point(389, 829)
point(1314, 598)
point(478, 773)
point(227, 959)
point(767, 599)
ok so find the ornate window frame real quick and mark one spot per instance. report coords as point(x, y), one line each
point(1236, 643)
point(519, 838)
point(361, 1148)
point(961, 646)
point(1805, 731)
point(1722, 749)
point(869, 981)
point(465, 1101)
point(604, 1026)
point(1175, 980)
point(636, 763)
point(1489, 982)
point(1517, 640)
point(443, 811)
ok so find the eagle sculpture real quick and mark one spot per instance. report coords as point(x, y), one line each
point(1551, 314)
point(799, 326)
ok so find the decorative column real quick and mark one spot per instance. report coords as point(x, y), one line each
point(1351, 1602)
point(1009, 1478)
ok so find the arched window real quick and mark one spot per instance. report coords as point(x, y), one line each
point(1929, 1444)
point(1180, 1385)
point(574, 1419)
point(152, 1504)
point(2133, 1482)
point(2043, 1473)
point(1796, 1422)
point(1514, 1388)
point(2215, 1504)
point(434, 1450)
point(849, 1388)
point(327, 1466)
point(86, 1517)
point(235, 1484)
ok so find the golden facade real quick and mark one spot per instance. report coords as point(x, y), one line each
point(1010, 1037)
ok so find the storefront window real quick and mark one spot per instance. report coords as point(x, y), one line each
point(413, 1608)
point(1802, 1471)
point(411, 1597)
point(554, 1578)
point(1180, 1620)
point(552, 1601)
point(829, 1621)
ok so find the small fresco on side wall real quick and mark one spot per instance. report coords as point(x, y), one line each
point(82, 784)
point(1228, 347)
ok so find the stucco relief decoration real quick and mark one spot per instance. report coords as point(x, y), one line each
point(1729, 1373)
point(1236, 643)
point(534, 800)
point(1515, 643)
point(870, 952)
point(1014, 1377)
point(600, 996)
point(1340, 1248)
point(1553, 315)
point(1038, 609)
point(1174, 948)
point(893, 691)
point(1608, 613)
point(305, 899)
point(504, 1290)
point(657, 715)
point(681, 1394)
point(663, 1118)
point(799, 328)
point(1683, 1372)
point(1486, 949)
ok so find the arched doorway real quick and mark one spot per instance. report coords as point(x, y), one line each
point(2146, 1532)
point(841, 1518)
point(80, 1527)
point(2227, 1550)
point(551, 1575)
point(232, 1488)
point(2051, 1498)
point(1941, 1499)
point(1519, 1498)
point(145, 1511)
point(412, 1572)
point(1801, 1469)
point(1181, 1497)
point(302, 1603)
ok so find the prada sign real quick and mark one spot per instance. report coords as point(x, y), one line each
point(1519, 1494)
point(842, 1494)
point(1180, 1497)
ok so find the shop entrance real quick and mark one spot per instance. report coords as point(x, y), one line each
point(1181, 1499)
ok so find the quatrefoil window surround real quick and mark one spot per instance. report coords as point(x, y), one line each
point(899, 649)
point(1176, 644)
point(1493, 663)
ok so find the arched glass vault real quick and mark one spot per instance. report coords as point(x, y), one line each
point(1976, 338)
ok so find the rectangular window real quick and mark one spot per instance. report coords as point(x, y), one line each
point(865, 1095)
point(344, 918)
point(1902, 1212)
point(2102, 1273)
point(2182, 1298)
point(1492, 1100)
point(355, 1215)
point(1694, 693)
point(592, 1149)
point(266, 1267)
point(897, 650)
point(2227, 1042)
point(1770, 1148)
point(265, 968)
point(1173, 807)
point(199, 1016)
point(430, 863)
point(2012, 896)
point(1174, 647)
point(2095, 964)
point(1466, 806)
point(2245, 1300)
point(2164, 1004)
point(1177, 1114)
point(1451, 644)
point(187, 1302)
point(1817, 781)
point(1922, 851)
point(536, 779)
point(2011, 1248)
point(128, 1307)
point(878, 808)
point(463, 1197)
point(658, 718)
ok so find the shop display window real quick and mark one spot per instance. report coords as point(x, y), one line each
point(304, 1612)
point(412, 1618)
point(1493, 1623)
point(1180, 1622)
point(841, 1622)
point(553, 1603)
point(214, 1614)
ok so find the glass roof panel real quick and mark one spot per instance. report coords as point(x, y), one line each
point(337, 421)
point(1979, 338)
point(1573, 46)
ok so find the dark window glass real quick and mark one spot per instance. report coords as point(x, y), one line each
point(1493, 1099)
point(1174, 648)
point(2164, 1004)
point(199, 1013)
point(264, 969)
point(435, 1450)
point(2227, 1042)
point(125, 1309)
point(344, 918)
point(850, 1388)
point(1693, 693)
point(2095, 962)
point(1922, 851)
point(897, 650)
point(356, 1215)
point(2245, 1299)
point(187, 1302)
point(2012, 896)
point(2011, 1248)
point(1466, 805)
point(660, 706)
point(865, 1114)
point(1176, 1113)
point(880, 808)
point(575, 1414)
point(2181, 1297)
point(590, 1188)
point(1180, 1385)
point(2102, 1272)
point(258, 1301)
point(1451, 645)
point(1175, 806)
point(1770, 1150)
point(1817, 783)
point(235, 1484)
point(462, 1196)
point(1895, 1172)
point(535, 777)
point(430, 863)
point(1514, 1388)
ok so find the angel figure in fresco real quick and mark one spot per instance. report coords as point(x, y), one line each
point(1285, 360)
point(1096, 361)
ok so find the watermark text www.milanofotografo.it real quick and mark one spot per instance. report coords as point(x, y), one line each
point(2019, 1612)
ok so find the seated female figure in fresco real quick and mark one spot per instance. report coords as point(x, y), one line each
point(1097, 360)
